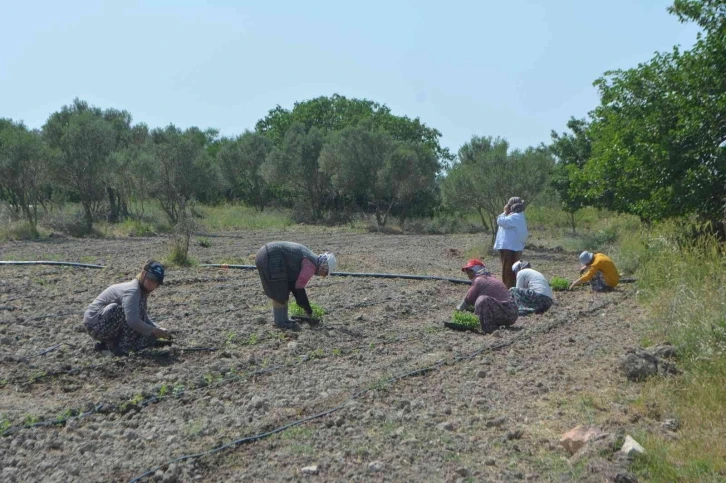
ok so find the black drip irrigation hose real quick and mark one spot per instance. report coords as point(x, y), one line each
point(416, 372)
point(43, 262)
point(350, 274)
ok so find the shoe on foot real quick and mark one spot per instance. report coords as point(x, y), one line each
point(288, 325)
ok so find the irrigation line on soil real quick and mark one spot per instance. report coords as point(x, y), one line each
point(350, 274)
point(250, 439)
point(43, 262)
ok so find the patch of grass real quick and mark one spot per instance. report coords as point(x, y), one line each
point(296, 310)
point(20, 231)
point(559, 284)
point(204, 242)
point(465, 318)
point(133, 228)
point(4, 425)
point(683, 285)
point(239, 217)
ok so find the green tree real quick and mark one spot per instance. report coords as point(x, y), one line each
point(658, 133)
point(331, 114)
point(240, 161)
point(82, 141)
point(571, 150)
point(487, 174)
point(185, 169)
point(24, 164)
point(294, 167)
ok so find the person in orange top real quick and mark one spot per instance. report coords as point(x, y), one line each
point(599, 270)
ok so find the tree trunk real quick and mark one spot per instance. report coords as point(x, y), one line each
point(88, 212)
point(113, 208)
point(572, 222)
point(483, 219)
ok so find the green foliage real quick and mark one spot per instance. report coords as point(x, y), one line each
point(335, 113)
point(186, 171)
point(487, 174)
point(240, 160)
point(559, 283)
point(204, 242)
point(465, 318)
point(179, 242)
point(24, 169)
point(20, 231)
point(295, 310)
point(655, 155)
point(83, 138)
point(370, 166)
point(294, 167)
point(572, 151)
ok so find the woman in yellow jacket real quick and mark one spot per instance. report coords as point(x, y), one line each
point(599, 270)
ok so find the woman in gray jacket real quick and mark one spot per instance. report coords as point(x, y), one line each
point(118, 319)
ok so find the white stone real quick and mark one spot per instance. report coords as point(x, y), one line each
point(310, 470)
point(631, 447)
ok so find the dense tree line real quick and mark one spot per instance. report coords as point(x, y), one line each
point(654, 147)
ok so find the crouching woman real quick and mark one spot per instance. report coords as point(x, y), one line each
point(118, 317)
point(489, 297)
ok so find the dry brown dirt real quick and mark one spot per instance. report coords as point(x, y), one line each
point(491, 409)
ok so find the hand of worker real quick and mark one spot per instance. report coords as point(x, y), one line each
point(160, 333)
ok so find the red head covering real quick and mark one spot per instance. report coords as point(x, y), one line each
point(472, 263)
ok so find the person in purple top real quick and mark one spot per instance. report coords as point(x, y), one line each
point(489, 297)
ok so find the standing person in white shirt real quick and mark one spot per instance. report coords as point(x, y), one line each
point(533, 293)
point(511, 236)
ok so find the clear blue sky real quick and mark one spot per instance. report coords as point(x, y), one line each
point(516, 68)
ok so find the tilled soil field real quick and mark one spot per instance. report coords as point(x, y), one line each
point(473, 407)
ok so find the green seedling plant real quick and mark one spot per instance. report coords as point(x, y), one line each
point(559, 284)
point(204, 242)
point(253, 339)
point(163, 390)
point(31, 419)
point(465, 318)
point(297, 311)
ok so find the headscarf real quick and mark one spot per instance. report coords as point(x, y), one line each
point(520, 265)
point(516, 204)
point(476, 266)
point(327, 261)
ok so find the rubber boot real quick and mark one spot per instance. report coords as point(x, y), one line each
point(281, 319)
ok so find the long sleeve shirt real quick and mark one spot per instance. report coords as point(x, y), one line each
point(128, 295)
point(604, 264)
point(533, 280)
point(487, 285)
point(512, 232)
